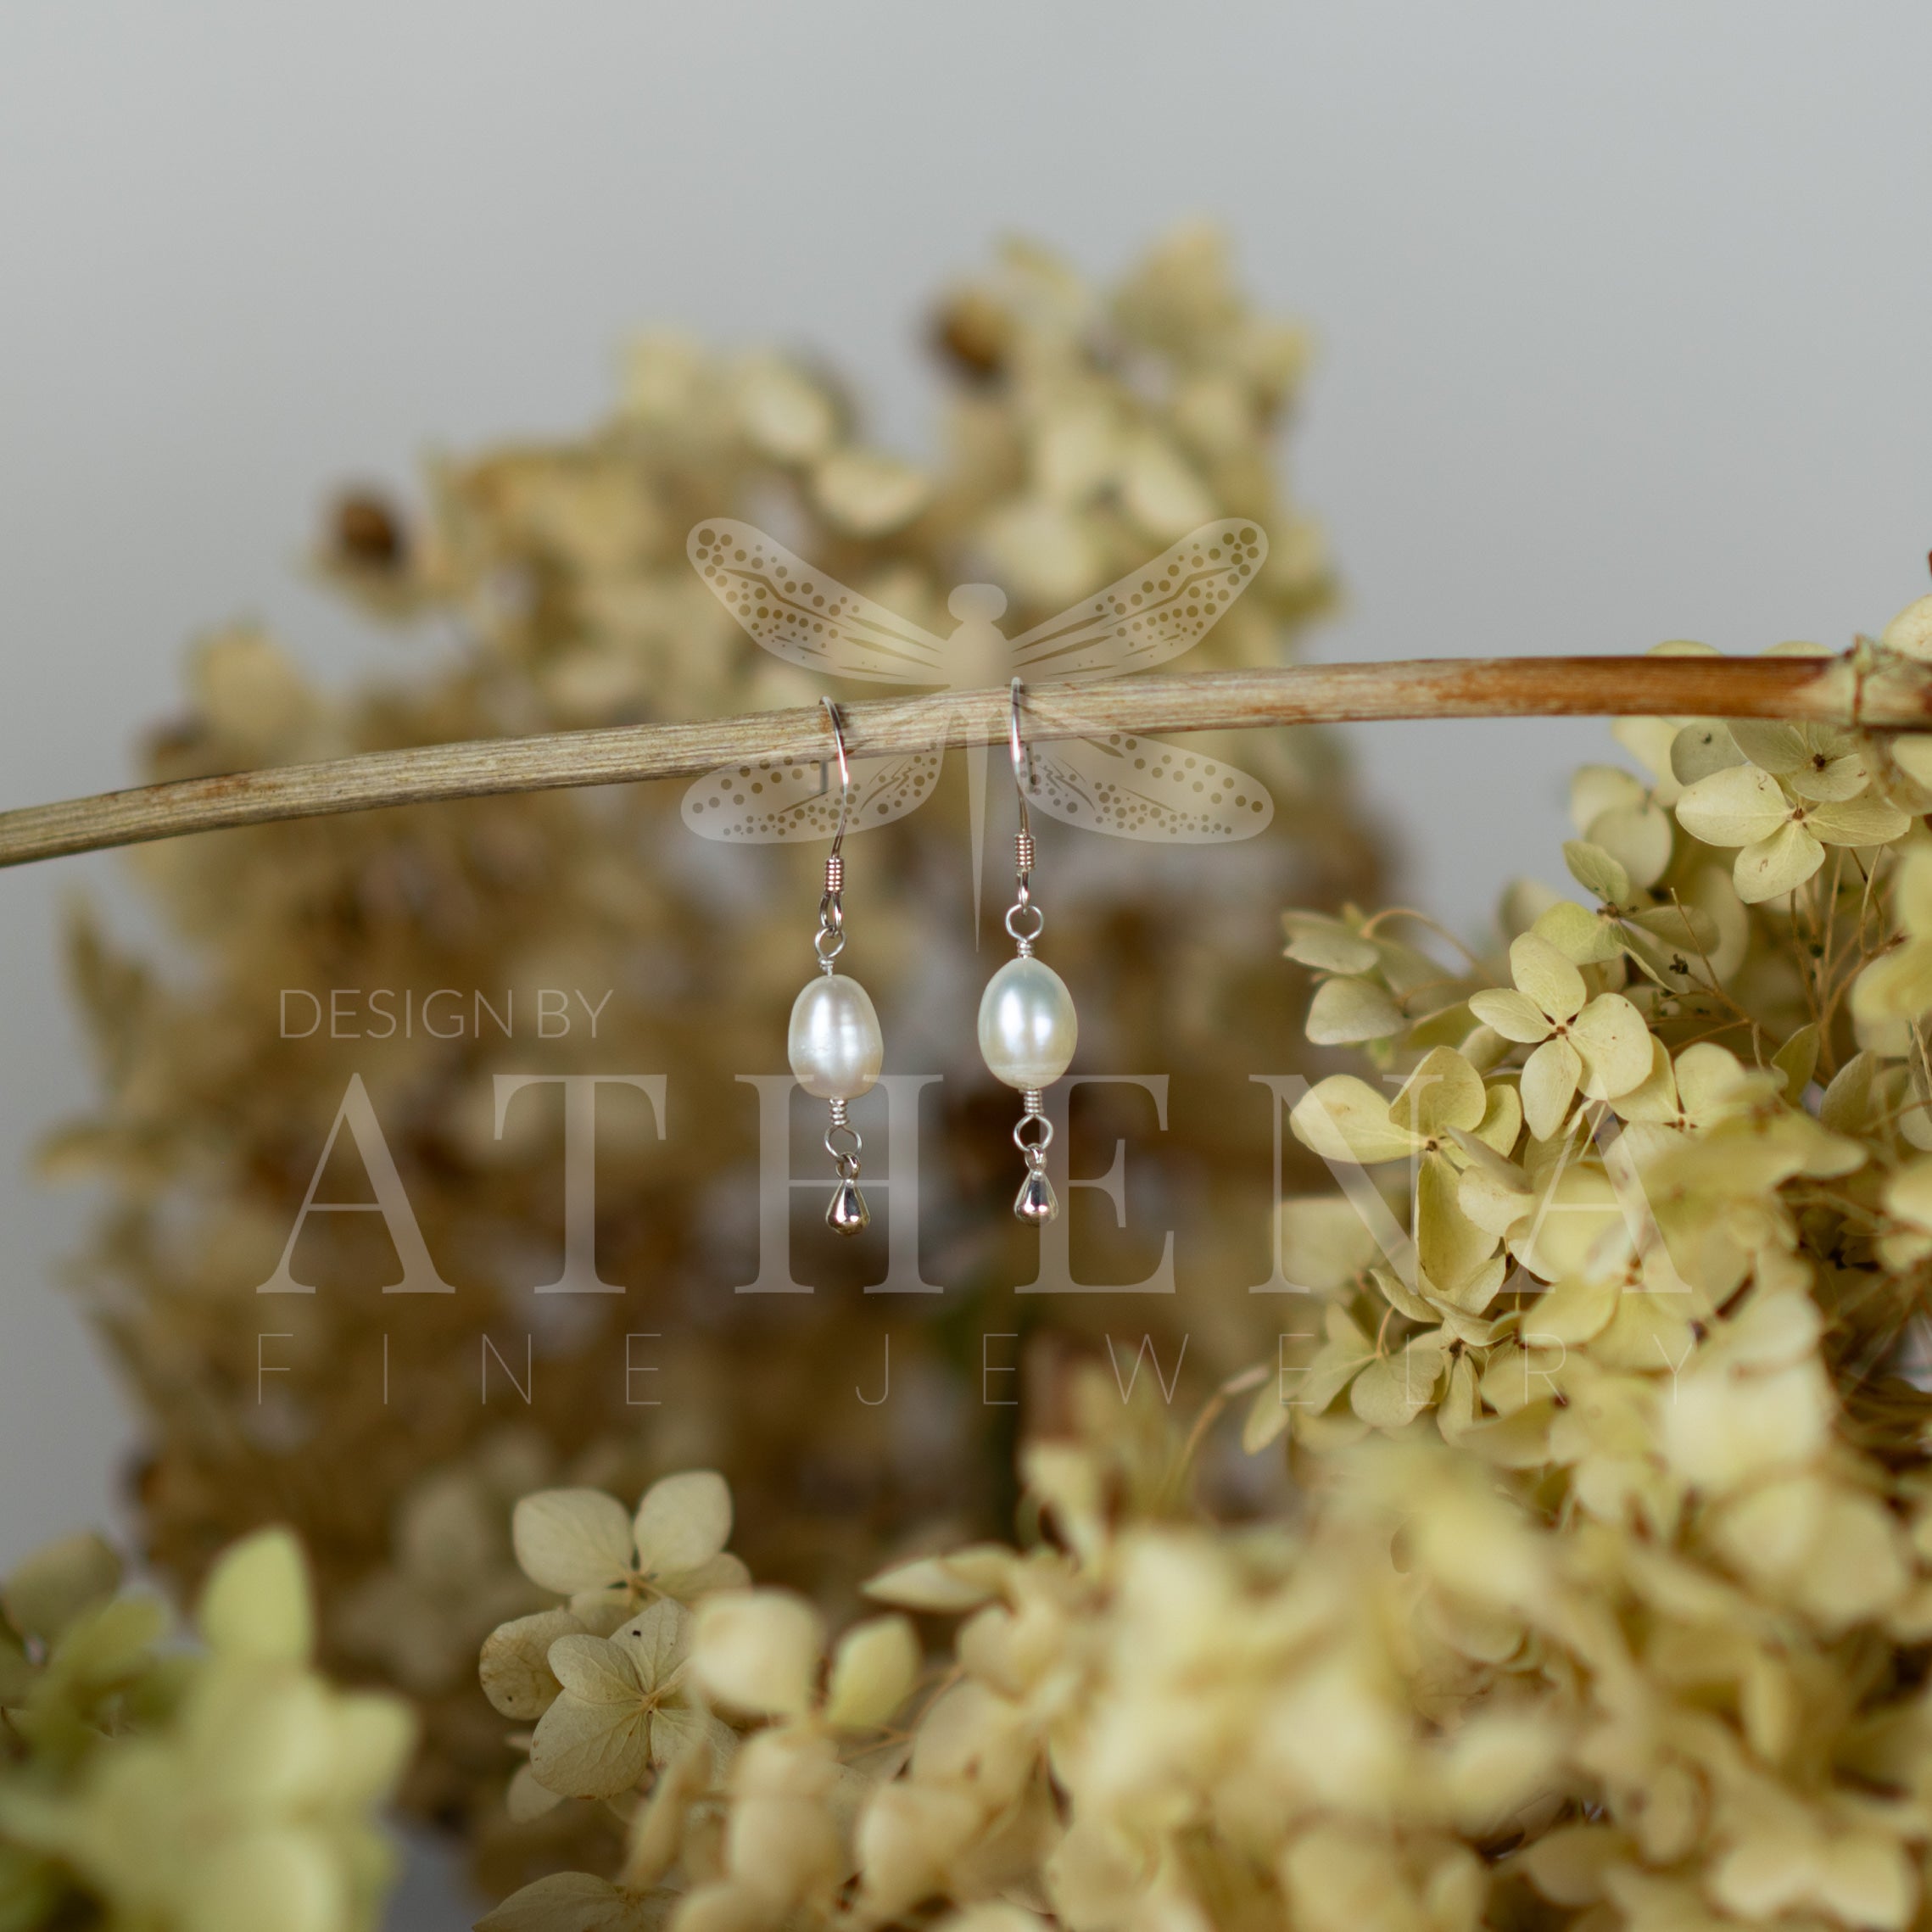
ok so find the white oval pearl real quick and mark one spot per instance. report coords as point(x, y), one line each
point(836, 1045)
point(1027, 1025)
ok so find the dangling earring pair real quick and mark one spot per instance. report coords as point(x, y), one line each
point(1028, 1028)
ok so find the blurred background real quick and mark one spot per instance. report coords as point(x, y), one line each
point(1621, 318)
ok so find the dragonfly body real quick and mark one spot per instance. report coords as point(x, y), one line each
point(978, 653)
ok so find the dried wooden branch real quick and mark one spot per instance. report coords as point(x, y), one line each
point(1890, 695)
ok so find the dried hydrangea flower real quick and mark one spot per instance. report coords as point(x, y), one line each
point(581, 1543)
point(232, 1788)
point(1599, 1045)
point(621, 1706)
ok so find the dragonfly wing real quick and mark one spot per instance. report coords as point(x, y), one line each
point(805, 616)
point(773, 800)
point(1137, 788)
point(1153, 613)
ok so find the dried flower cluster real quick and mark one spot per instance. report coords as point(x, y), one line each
point(1082, 432)
point(148, 1787)
point(1605, 1597)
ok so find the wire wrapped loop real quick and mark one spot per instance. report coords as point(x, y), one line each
point(844, 1143)
point(1033, 1134)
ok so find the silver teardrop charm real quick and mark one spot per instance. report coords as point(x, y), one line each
point(1035, 1202)
point(848, 1212)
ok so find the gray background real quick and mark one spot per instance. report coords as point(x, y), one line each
point(1623, 315)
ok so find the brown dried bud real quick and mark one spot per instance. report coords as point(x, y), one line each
point(366, 532)
point(971, 331)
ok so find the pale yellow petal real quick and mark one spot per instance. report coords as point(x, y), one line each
point(1708, 1077)
point(873, 1670)
point(1910, 632)
point(1514, 1015)
point(1895, 985)
point(1912, 891)
point(1567, 1865)
point(46, 1591)
point(1654, 1097)
point(1797, 1060)
point(1494, 1192)
point(1829, 780)
point(1911, 751)
point(1596, 871)
point(1584, 937)
point(1540, 970)
point(961, 1580)
point(1549, 1085)
point(1640, 838)
point(591, 1751)
point(374, 1736)
point(758, 1651)
point(868, 492)
point(1444, 1092)
point(1776, 865)
point(1615, 1044)
point(784, 414)
point(655, 1641)
point(573, 1540)
point(1908, 1194)
point(527, 1798)
point(1344, 1119)
point(567, 1901)
point(1699, 749)
point(1736, 805)
point(280, 1879)
point(1391, 1392)
point(1648, 740)
point(682, 1521)
point(595, 1670)
point(677, 1729)
point(1340, 1877)
point(1502, 1119)
point(1770, 745)
point(1450, 1245)
point(1316, 940)
point(1574, 1310)
point(1325, 1243)
point(1595, 790)
point(256, 1603)
point(515, 1668)
point(1344, 1011)
point(1865, 820)
point(723, 1572)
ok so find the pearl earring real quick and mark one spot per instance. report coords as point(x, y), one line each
point(834, 1040)
point(1028, 1028)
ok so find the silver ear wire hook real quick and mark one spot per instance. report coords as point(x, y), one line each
point(831, 938)
point(845, 772)
point(1022, 761)
point(1023, 920)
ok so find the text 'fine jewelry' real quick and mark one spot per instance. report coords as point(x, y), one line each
point(1028, 1029)
point(836, 1045)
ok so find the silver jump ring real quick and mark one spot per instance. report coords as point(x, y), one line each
point(1035, 1147)
point(843, 1143)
